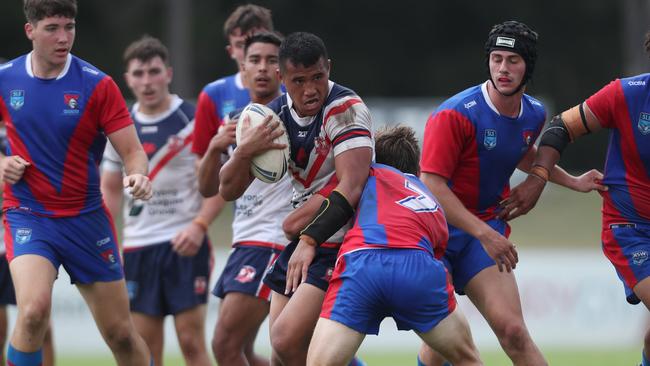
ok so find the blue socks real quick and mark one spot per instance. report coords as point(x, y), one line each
point(18, 358)
point(356, 362)
point(447, 363)
point(420, 362)
point(644, 359)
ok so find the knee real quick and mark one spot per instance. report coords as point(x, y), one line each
point(35, 316)
point(191, 343)
point(226, 345)
point(283, 344)
point(513, 335)
point(120, 337)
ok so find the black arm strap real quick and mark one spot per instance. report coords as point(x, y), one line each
point(556, 135)
point(334, 212)
point(583, 118)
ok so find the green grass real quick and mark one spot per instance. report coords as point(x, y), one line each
point(593, 357)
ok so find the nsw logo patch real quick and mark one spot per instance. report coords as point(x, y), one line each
point(639, 257)
point(490, 139)
point(17, 99)
point(23, 235)
point(644, 123)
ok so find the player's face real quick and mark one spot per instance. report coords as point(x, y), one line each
point(260, 68)
point(307, 86)
point(507, 70)
point(236, 43)
point(52, 39)
point(149, 82)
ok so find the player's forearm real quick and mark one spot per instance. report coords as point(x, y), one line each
point(211, 208)
point(235, 176)
point(299, 218)
point(352, 169)
point(455, 212)
point(208, 173)
point(136, 161)
point(112, 192)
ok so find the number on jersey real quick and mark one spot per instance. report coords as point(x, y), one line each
point(421, 202)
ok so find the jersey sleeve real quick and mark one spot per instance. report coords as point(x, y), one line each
point(445, 137)
point(347, 124)
point(111, 162)
point(603, 103)
point(113, 114)
point(206, 124)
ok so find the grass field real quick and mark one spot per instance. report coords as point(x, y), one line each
point(557, 358)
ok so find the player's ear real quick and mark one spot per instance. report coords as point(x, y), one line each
point(329, 66)
point(170, 73)
point(230, 51)
point(29, 29)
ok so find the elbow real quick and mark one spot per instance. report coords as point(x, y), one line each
point(226, 193)
point(290, 228)
point(208, 190)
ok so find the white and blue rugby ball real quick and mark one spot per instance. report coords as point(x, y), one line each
point(271, 165)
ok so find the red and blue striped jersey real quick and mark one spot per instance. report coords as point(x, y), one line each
point(623, 107)
point(216, 101)
point(468, 142)
point(397, 210)
point(59, 125)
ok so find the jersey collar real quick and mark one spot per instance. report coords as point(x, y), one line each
point(304, 121)
point(28, 66)
point(486, 96)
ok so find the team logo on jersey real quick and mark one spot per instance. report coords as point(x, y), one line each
point(639, 257)
point(109, 256)
point(71, 100)
point(227, 107)
point(322, 146)
point(246, 274)
point(644, 123)
point(175, 143)
point(200, 285)
point(23, 235)
point(490, 139)
point(529, 137)
point(17, 99)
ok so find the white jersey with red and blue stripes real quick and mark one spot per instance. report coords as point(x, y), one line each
point(166, 138)
point(59, 126)
point(342, 124)
point(261, 210)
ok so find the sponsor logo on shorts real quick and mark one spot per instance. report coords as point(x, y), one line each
point(23, 235)
point(109, 256)
point(246, 274)
point(636, 83)
point(328, 274)
point(505, 42)
point(132, 289)
point(639, 257)
point(104, 241)
point(17, 99)
point(490, 139)
point(200, 285)
point(644, 123)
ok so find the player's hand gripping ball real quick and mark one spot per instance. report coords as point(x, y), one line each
point(270, 165)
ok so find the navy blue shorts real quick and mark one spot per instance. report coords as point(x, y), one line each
point(7, 293)
point(408, 285)
point(319, 272)
point(85, 245)
point(465, 257)
point(161, 282)
point(245, 270)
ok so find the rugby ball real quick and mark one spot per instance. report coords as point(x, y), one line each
point(271, 165)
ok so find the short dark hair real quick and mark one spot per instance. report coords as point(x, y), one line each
point(266, 37)
point(302, 48)
point(398, 147)
point(246, 18)
point(145, 49)
point(36, 10)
